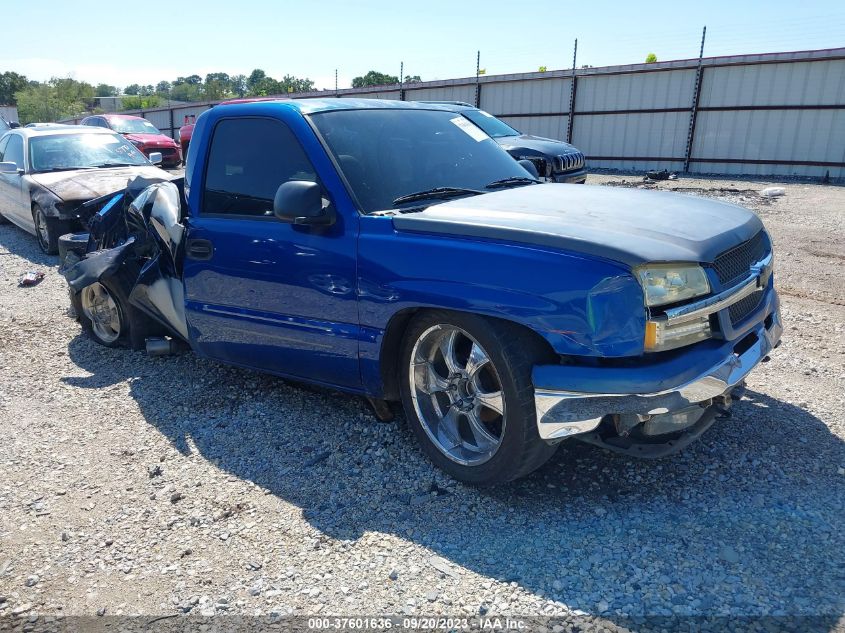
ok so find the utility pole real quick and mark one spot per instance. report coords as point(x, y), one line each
point(477, 76)
point(695, 99)
point(401, 81)
point(572, 87)
point(335, 82)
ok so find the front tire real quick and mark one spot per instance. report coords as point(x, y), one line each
point(109, 319)
point(48, 230)
point(466, 388)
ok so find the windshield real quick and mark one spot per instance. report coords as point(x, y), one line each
point(489, 123)
point(133, 126)
point(386, 154)
point(79, 151)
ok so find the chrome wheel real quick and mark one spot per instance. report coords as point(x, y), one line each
point(101, 309)
point(41, 230)
point(457, 395)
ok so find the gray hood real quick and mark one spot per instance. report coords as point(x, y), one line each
point(86, 184)
point(631, 226)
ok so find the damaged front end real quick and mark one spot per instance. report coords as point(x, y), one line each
point(135, 246)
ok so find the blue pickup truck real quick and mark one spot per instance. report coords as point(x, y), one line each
point(394, 250)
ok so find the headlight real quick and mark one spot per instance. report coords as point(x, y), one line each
point(669, 283)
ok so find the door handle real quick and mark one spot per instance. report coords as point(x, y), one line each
point(199, 249)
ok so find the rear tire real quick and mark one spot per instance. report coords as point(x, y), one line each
point(473, 413)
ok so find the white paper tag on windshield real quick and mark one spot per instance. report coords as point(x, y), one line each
point(475, 132)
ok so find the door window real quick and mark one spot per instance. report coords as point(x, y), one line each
point(3, 142)
point(248, 161)
point(14, 151)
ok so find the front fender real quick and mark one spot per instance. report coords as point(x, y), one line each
point(47, 200)
point(583, 306)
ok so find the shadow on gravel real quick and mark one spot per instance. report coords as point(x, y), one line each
point(747, 521)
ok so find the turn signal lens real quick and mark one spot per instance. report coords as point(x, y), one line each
point(661, 336)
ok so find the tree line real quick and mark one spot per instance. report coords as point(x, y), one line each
point(64, 97)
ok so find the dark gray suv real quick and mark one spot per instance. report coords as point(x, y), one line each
point(555, 161)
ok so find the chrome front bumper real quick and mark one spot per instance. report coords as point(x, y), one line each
point(562, 414)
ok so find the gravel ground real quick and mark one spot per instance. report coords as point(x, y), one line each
point(157, 486)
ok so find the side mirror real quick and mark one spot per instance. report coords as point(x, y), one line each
point(155, 158)
point(528, 166)
point(301, 202)
point(14, 125)
point(8, 168)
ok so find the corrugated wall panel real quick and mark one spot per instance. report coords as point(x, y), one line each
point(443, 93)
point(808, 78)
point(799, 83)
point(665, 89)
point(658, 135)
point(527, 96)
point(777, 135)
point(161, 119)
point(546, 126)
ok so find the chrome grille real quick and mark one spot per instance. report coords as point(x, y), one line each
point(569, 162)
point(744, 307)
point(734, 264)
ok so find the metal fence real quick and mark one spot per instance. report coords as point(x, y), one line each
point(765, 114)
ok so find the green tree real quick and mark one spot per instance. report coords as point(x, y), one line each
point(255, 77)
point(412, 79)
point(374, 78)
point(239, 85)
point(290, 84)
point(38, 102)
point(163, 87)
point(266, 86)
point(132, 89)
point(187, 92)
point(650, 58)
point(57, 99)
point(217, 86)
point(139, 102)
point(10, 83)
point(105, 90)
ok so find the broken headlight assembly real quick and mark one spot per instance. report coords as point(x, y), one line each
point(665, 284)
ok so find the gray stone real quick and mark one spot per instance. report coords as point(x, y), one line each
point(728, 554)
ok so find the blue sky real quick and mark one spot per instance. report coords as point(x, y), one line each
point(146, 41)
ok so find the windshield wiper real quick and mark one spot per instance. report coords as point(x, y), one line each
point(103, 165)
point(52, 169)
point(516, 180)
point(437, 192)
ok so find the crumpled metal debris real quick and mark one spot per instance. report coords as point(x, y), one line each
point(137, 235)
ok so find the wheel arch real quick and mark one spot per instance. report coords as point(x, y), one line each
point(390, 351)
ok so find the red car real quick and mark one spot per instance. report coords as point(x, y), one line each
point(187, 129)
point(142, 134)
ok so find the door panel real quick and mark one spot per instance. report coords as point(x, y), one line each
point(260, 292)
point(13, 191)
